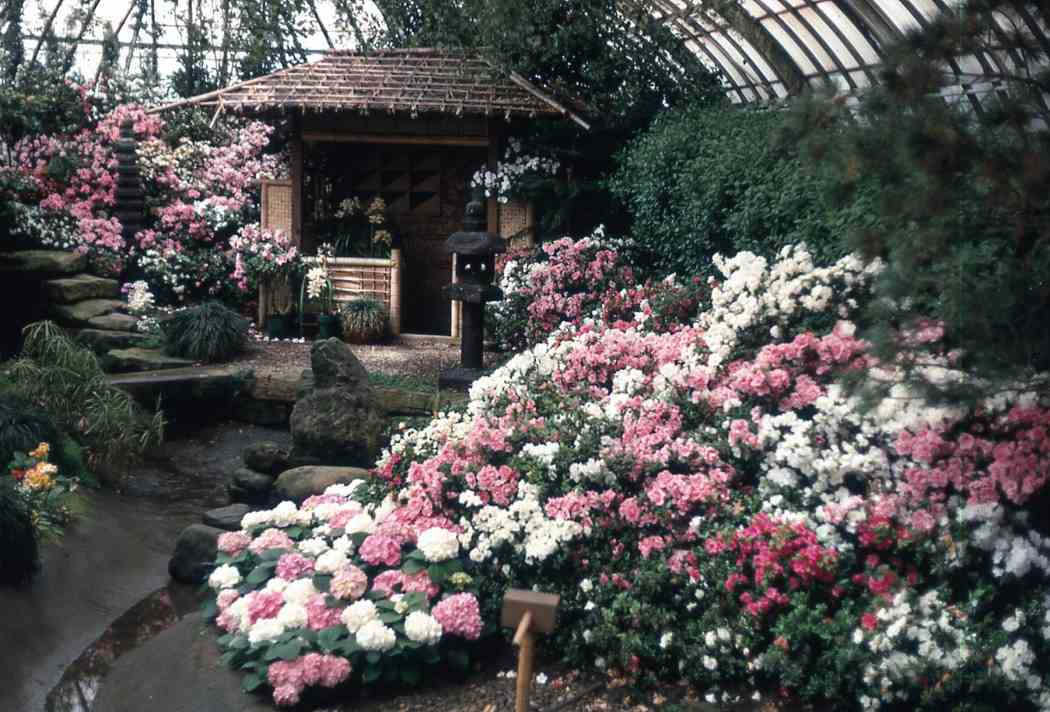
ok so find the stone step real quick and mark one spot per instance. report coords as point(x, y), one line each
point(43, 262)
point(112, 322)
point(79, 315)
point(102, 340)
point(69, 290)
point(137, 359)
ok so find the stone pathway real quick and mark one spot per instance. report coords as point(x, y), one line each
point(111, 559)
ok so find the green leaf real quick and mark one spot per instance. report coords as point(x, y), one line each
point(294, 532)
point(288, 651)
point(251, 682)
point(390, 617)
point(373, 656)
point(239, 642)
point(411, 675)
point(459, 659)
point(358, 537)
point(330, 637)
point(262, 572)
point(322, 582)
point(372, 673)
point(209, 610)
point(272, 555)
point(413, 567)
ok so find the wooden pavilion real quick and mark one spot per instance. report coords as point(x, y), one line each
point(410, 126)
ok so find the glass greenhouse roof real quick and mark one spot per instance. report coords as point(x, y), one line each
point(768, 49)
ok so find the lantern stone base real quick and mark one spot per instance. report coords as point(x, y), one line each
point(460, 378)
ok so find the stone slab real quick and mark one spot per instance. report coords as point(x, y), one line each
point(102, 340)
point(194, 556)
point(80, 314)
point(43, 262)
point(112, 322)
point(69, 290)
point(227, 518)
point(177, 671)
point(140, 359)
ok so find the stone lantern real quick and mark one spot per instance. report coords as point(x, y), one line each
point(474, 252)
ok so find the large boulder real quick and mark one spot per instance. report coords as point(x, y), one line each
point(79, 315)
point(301, 482)
point(42, 262)
point(249, 487)
point(140, 359)
point(100, 340)
point(337, 421)
point(194, 555)
point(265, 457)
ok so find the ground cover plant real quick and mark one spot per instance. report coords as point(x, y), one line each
point(710, 501)
point(208, 332)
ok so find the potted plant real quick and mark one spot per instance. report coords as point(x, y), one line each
point(317, 287)
point(364, 320)
point(361, 231)
point(266, 259)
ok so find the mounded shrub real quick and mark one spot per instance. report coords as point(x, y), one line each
point(702, 181)
point(209, 332)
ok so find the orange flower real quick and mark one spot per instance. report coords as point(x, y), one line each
point(41, 452)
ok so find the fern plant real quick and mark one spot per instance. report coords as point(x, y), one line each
point(209, 332)
point(364, 320)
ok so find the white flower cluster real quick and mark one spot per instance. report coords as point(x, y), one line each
point(375, 636)
point(140, 298)
point(422, 628)
point(523, 526)
point(504, 181)
point(438, 544)
point(754, 294)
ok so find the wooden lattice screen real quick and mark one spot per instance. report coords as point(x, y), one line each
point(355, 277)
point(516, 222)
point(276, 214)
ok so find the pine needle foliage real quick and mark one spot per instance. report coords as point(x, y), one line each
point(19, 551)
point(364, 319)
point(65, 381)
point(22, 428)
point(962, 213)
point(209, 332)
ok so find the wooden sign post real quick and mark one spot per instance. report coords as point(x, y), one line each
point(528, 612)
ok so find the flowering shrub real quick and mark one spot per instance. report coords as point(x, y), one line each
point(571, 280)
point(712, 504)
point(43, 490)
point(198, 195)
point(261, 255)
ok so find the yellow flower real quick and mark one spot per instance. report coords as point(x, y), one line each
point(39, 477)
point(41, 451)
point(382, 236)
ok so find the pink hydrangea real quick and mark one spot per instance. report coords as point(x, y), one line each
point(263, 604)
point(271, 539)
point(226, 597)
point(386, 581)
point(349, 583)
point(286, 695)
point(419, 581)
point(294, 566)
point(319, 615)
point(379, 549)
point(233, 543)
point(459, 615)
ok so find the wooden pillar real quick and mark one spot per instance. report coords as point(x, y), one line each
point(395, 291)
point(456, 329)
point(496, 133)
point(530, 224)
point(295, 150)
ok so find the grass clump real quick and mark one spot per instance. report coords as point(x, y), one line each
point(364, 320)
point(209, 332)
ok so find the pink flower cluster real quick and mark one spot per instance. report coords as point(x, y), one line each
point(460, 615)
point(290, 678)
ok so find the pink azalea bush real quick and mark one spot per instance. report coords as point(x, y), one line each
point(713, 505)
point(199, 194)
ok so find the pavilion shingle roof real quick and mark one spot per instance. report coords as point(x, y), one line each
point(397, 81)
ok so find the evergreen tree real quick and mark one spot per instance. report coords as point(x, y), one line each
point(959, 191)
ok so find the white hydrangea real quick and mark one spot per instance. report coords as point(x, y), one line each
point(362, 523)
point(375, 636)
point(293, 615)
point(330, 561)
point(359, 613)
point(225, 576)
point(299, 591)
point(422, 628)
point(438, 544)
point(313, 547)
point(265, 630)
point(344, 490)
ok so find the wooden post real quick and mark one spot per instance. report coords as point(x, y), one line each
point(524, 639)
point(528, 612)
point(295, 151)
point(456, 327)
point(395, 291)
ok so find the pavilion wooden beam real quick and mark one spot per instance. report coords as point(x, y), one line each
point(414, 140)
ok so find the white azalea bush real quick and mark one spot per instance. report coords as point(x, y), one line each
point(711, 503)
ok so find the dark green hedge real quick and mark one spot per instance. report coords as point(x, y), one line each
point(709, 180)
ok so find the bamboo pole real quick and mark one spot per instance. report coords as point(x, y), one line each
point(524, 638)
point(116, 32)
point(317, 16)
point(395, 291)
point(80, 35)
